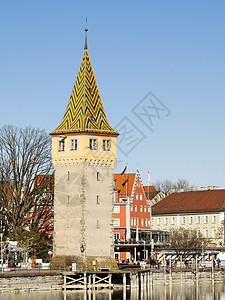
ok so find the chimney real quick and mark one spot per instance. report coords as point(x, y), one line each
point(203, 188)
point(210, 188)
point(172, 191)
point(192, 188)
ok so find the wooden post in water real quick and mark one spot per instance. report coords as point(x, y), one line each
point(64, 282)
point(93, 283)
point(89, 281)
point(181, 273)
point(110, 281)
point(212, 268)
point(196, 267)
point(85, 280)
point(141, 279)
point(124, 281)
point(170, 270)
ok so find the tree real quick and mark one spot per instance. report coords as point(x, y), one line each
point(184, 241)
point(167, 185)
point(25, 181)
point(221, 232)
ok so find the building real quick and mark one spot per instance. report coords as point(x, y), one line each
point(83, 155)
point(132, 216)
point(202, 210)
point(152, 195)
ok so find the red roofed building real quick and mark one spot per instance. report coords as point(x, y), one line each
point(152, 195)
point(132, 212)
point(202, 210)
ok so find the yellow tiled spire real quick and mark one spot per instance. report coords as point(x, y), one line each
point(84, 111)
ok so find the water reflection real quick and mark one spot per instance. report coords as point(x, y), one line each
point(168, 292)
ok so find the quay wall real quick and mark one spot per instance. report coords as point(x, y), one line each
point(31, 283)
point(134, 279)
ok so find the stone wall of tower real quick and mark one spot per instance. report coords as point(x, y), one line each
point(83, 209)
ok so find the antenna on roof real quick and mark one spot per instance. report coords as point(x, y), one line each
point(85, 45)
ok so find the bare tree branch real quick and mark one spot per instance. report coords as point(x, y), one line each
point(25, 178)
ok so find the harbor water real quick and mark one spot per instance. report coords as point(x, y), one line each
point(168, 292)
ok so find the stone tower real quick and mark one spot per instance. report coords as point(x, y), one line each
point(84, 154)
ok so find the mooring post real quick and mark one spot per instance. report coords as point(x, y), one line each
point(181, 273)
point(89, 281)
point(145, 279)
point(93, 283)
point(164, 259)
point(196, 267)
point(151, 278)
point(110, 281)
point(85, 280)
point(124, 281)
point(141, 280)
point(64, 282)
point(212, 268)
point(170, 270)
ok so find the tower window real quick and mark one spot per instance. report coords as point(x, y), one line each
point(98, 178)
point(97, 225)
point(68, 199)
point(93, 144)
point(106, 145)
point(98, 199)
point(68, 175)
point(61, 145)
point(73, 144)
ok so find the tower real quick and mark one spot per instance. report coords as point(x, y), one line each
point(83, 155)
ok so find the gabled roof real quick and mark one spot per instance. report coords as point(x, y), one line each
point(124, 183)
point(150, 192)
point(194, 201)
point(84, 111)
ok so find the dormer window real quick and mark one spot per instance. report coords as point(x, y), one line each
point(93, 144)
point(73, 144)
point(106, 145)
point(61, 145)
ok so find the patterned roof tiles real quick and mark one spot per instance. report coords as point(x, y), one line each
point(84, 111)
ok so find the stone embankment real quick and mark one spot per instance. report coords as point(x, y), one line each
point(30, 281)
point(42, 280)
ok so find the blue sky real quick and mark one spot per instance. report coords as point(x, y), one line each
point(173, 49)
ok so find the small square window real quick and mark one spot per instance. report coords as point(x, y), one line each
point(106, 145)
point(73, 144)
point(93, 144)
point(61, 145)
point(116, 222)
point(116, 209)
